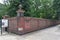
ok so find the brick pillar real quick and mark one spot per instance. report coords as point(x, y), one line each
point(20, 19)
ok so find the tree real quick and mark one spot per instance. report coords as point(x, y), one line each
point(2, 10)
point(13, 6)
point(46, 9)
point(33, 8)
point(56, 6)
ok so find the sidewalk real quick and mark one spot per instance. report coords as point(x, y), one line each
point(46, 34)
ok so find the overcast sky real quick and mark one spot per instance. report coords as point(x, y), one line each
point(1, 1)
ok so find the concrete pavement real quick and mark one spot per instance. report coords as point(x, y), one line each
point(52, 33)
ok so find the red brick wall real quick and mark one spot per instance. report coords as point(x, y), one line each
point(12, 24)
point(29, 24)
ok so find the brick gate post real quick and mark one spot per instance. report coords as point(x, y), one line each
point(20, 18)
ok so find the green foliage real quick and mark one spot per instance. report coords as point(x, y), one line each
point(41, 9)
point(56, 6)
point(47, 10)
point(2, 10)
point(12, 7)
point(33, 8)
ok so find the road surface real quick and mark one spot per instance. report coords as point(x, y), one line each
point(52, 33)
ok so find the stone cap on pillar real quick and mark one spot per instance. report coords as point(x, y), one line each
point(20, 11)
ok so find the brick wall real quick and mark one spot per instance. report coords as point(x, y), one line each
point(12, 24)
point(29, 24)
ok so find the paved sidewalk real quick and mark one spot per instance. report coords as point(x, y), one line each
point(52, 33)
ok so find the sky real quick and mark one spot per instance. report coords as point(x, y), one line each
point(1, 1)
